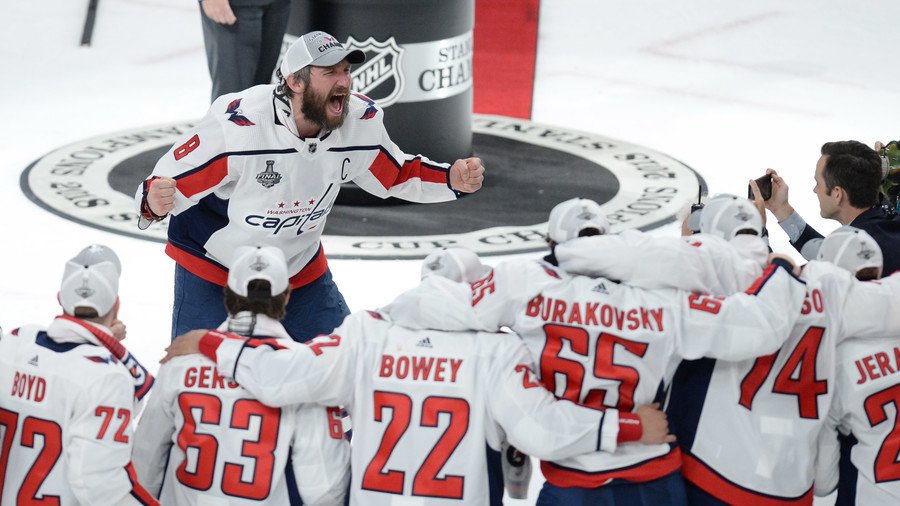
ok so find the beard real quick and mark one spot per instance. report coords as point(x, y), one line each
point(314, 108)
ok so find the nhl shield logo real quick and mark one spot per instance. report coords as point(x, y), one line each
point(380, 76)
point(269, 178)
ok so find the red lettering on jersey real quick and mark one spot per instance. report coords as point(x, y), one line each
point(559, 310)
point(422, 367)
point(29, 387)
point(454, 368)
point(387, 365)
point(534, 306)
point(633, 322)
point(867, 369)
point(419, 368)
point(590, 313)
point(575, 314)
point(439, 370)
point(206, 377)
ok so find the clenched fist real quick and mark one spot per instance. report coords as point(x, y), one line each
point(467, 175)
point(161, 196)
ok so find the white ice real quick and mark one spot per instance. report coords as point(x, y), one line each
point(730, 88)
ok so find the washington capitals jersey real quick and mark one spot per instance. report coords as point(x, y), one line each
point(606, 345)
point(243, 176)
point(204, 439)
point(865, 408)
point(66, 411)
point(425, 404)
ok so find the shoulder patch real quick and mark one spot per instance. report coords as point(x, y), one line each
point(236, 116)
point(102, 360)
point(376, 315)
point(371, 108)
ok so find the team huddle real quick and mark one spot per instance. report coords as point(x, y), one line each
point(560, 358)
point(638, 369)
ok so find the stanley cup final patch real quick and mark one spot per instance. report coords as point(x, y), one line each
point(269, 178)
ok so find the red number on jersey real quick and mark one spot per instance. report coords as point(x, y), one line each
point(324, 342)
point(9, 421)
point(605, 366)
point(335, 426)
point(186, 148)
point(210, 410)
point(800, 364)
point(107, 412)
point(261, 447)
point(887, 467)
point(401, 410)
point(262, 450)
point(426, 482)
point(706, 303)
point(51, 449)
point(528, 380)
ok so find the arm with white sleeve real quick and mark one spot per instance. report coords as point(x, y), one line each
point(700, 263)
point(744, 325)
point(538, 424)
point(487, 304)
point(828, 455)
point(279, 373)
point(195, 166)
point(320, 456)
point(98, 444)
point(153, 437)
point(393, 173)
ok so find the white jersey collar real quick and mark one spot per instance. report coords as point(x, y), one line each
point(248, 324)
point(69, 331)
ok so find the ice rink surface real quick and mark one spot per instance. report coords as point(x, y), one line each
point(729, 88)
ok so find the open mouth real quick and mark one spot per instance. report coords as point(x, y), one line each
point(336, 103)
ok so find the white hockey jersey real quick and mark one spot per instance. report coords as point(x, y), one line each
point(424, 403)
point(65, 420)
point(243, 176)
point(602, 344)
point(865, 407)
point(749, 429)
point(205, 440)
point(700, 263)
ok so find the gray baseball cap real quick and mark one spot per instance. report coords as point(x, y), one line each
point(319, 49)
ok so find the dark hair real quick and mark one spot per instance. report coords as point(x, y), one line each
point(867, 274)
point(85, 313)
point(273, 307)
point(854, 167)
point(303, 75)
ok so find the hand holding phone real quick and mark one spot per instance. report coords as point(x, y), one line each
point(765, 187)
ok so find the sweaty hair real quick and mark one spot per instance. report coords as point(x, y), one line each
point(854, 167)
point(273, 307)
point(303, 75)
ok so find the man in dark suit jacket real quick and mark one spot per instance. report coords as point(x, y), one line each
point(848, 177)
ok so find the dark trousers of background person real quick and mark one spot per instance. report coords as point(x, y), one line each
point(244, 54)
point(313, 309)
point(665, 491)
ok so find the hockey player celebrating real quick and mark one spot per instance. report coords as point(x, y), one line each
point(607, 345)
point(204, 439)
point(866, 398)
point(425, 403)
point(264, 166)
point(67, 404)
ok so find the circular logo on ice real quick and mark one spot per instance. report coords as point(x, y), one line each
point(530, 168)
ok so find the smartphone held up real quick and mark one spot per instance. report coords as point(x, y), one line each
point(765, 187)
